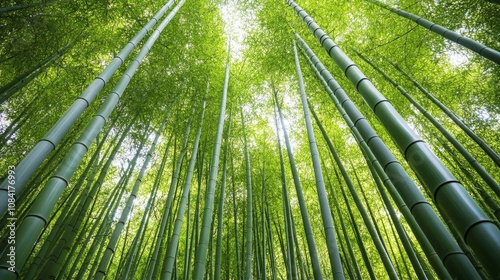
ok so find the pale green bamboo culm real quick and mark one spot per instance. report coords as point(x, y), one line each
point(472, 45)
point(313, 254)
point(168, 265)
point(32, 225)
point(457, 263)
point(290, 252)
point(474, 226)
point(201, 253)
point(30, 163)
point(331, 242)
point(249, 214)
point(220, 224)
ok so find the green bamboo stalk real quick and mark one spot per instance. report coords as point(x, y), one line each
point(194, 231)
point(154, 267)
point(201, 253)
point(218, 252)
point(473, 224)
point(470, 44)
point(303, 265)
point(333, 250)
point(279, 234)
point(90, 201)
point(31, 162)
point(51, 247)
point(474, 187)
point(374, 163)
point(187, 251)
point(263, 221)
point(463, 151)
point(290, 252)
point(66, 240)
point(397, 224)
point(344, 228)
point(235, 221)
point(249, 216)
point(486, 148)
point(377, 240)
point(372, 216)
point(357, 233)
point(270, 235)
point(168, 266)
point(300, 196)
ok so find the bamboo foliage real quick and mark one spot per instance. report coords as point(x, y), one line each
point(19, 82)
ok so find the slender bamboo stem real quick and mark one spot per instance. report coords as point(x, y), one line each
point(201, 253)
point(303, 208)
point(472, 45)
point(333, 250)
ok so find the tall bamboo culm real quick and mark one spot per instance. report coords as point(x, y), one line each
point(333, 250)
point(313, 254)
point(201, 253)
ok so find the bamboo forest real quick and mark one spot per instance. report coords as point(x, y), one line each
point(239, 139)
